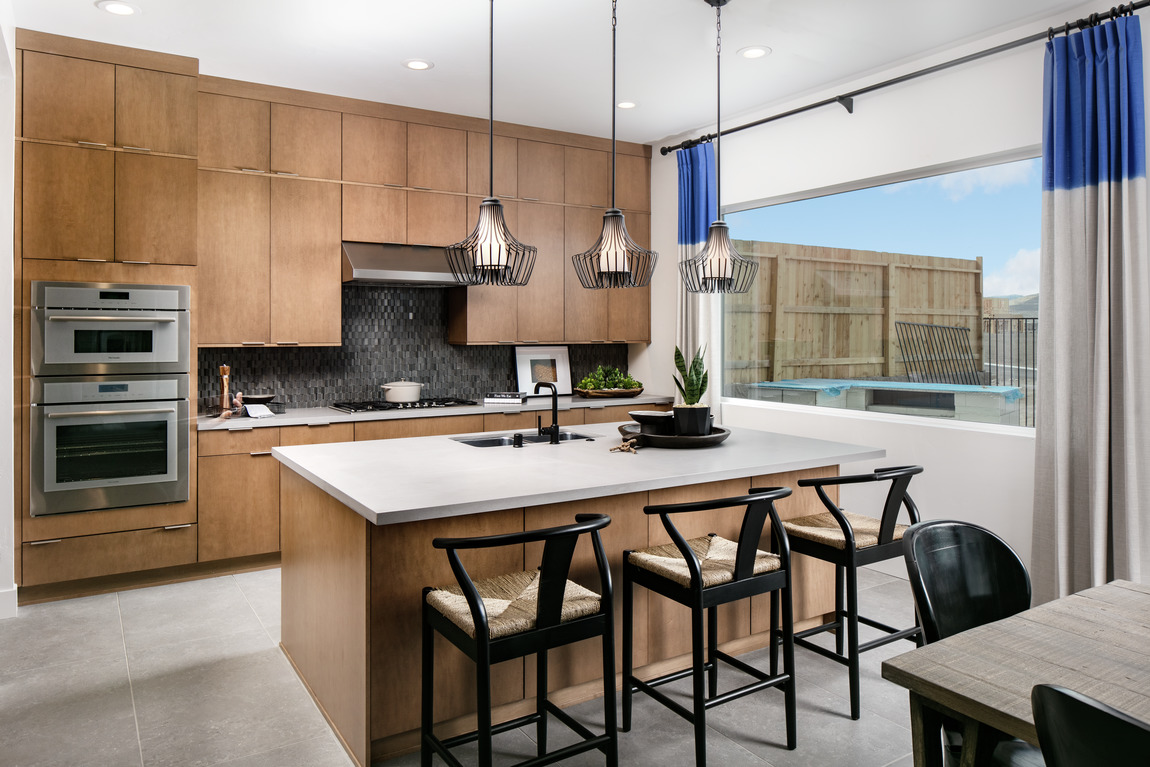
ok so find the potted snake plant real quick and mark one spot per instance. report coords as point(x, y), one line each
point(691, 418)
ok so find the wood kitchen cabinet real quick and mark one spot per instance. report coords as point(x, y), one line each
point(374, 214)
point(540, 171)
point(634, 183)
point(585, 311)
point(437, 219)
point(539, 317)
point(417, 427)
point(306, 257)
point(374, 150)
point(92, 556)
point(436, 158)
point(68, 203)
point(234, 133)
point(612, 413)
point(528, 422)
point(485, 314)
point(155, 209)
point(629, 309)
point(479, 166)
point(586, 177)
point(156, 111)
point(306, 142)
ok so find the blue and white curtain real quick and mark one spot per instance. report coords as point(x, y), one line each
point(1092, 470)
point(698, 207)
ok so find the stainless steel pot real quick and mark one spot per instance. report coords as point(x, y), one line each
point(401, 391)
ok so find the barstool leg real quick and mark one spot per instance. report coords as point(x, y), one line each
point(789, 697)
point(427, 704)
point(698, 688)
point(841, 628)
point(483, 706)
point(853, 638)
point(541, 700)
point(712, 649)
point(628, 670)
point(610, 725)
point(775, 633)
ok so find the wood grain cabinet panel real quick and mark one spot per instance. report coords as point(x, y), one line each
point(612, 413)
point(305, 262)
point(629, 309)
point(68, 99)
point(374, 150)
point(540, 319)
point(374, 214)
point(92, 556)
point(239, 506)
point(156, 111)
point(317, 434)
point(234, 133)
point(235, 263)
point(68, 203)
point(238, 441)
point(436, 219)
point(633, 176)
point(528, 422)
point(155, 209)
point(436, 158)
point(479, 165)
point(584, 311)
point(586, 177)
point(306, 142)
point(484, 314)
point(540, 171)
point(418, 427)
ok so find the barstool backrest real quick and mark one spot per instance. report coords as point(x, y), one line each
point(897, 496)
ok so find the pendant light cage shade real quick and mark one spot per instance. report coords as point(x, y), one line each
point(491, 255)
point(718, 267)
point(615, 261)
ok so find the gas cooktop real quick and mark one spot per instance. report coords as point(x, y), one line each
point(373, 405)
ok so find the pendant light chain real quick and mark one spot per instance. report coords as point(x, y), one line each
point(614, 107)
point(718, 110)
point(491, 104)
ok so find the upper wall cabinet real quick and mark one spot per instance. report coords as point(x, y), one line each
point(540, 171)
point(479, 166)
point(305, 142)
point(235, 133)
point(634, 183)
point(436, 158)
point(586, 177)
point(96, 103)
point(374, 150)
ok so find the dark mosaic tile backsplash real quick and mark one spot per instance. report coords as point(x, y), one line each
point(388, 333)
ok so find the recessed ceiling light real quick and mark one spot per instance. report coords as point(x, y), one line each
point(626, 105)
point(118, 7)
point(418, 64)
point(754, 52)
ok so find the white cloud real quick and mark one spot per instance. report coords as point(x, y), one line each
point(1018, 276)
point(988, 180)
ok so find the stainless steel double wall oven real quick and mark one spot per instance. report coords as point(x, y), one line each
point(110, 410)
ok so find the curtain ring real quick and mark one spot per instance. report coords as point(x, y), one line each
point(1113, 13)
point(1049, 34)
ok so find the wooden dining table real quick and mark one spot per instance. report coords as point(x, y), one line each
point(1096, 642)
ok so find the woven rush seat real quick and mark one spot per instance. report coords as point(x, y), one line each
point(716, 560)
point(511, 603)
point(824, 528)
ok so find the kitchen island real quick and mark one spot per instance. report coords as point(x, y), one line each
point(357, 524)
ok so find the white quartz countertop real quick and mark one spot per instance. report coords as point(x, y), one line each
point(316, 416)
point(402, 480)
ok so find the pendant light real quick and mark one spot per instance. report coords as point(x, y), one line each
point(718, 267)
point(614, 261)
point(491, 255)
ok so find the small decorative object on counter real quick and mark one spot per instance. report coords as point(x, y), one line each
point(505, 398)
point(691, 418)
point(608, 382)
point(628, 446)
point(225, 396)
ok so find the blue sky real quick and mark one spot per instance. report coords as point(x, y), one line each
point(993, 212)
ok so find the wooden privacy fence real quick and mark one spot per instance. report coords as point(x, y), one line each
point(817, 312)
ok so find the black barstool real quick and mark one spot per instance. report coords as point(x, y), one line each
point(850, 541)
point(702, 574)
point(518, 614)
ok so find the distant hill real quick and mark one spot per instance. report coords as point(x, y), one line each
point(1025, 306)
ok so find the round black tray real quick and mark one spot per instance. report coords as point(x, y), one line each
point(631, 431)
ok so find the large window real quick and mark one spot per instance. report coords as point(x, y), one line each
point(917, 297)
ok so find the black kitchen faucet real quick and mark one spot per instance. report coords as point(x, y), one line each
point(553, 429)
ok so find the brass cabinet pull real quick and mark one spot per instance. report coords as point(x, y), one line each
point(92, 143)
point(177, 527)
point(137, 148)
point(44, 543)
point(251, 343)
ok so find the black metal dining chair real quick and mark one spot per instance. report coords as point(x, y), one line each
point(851, 541)
point(701, 574)
point(1076, 730)
point(517, 614)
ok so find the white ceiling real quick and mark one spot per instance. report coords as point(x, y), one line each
point(552, 57)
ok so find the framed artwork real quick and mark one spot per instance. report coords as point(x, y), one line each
point(543, 363)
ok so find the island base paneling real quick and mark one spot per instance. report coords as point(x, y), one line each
point(352, 605)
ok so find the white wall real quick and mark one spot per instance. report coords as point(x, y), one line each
point(7, 463)
point(992, 107)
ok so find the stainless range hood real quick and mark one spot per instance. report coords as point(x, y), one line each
point(419, 266)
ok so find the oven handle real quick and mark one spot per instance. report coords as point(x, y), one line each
point(79, 318)
point(102, 413)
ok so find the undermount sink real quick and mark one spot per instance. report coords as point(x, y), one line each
point(528, 439)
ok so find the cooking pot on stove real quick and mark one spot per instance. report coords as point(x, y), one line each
point(401, 391)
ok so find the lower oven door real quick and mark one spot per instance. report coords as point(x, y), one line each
point(108, 454)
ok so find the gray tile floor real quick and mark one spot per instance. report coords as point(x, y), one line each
point(191, 674)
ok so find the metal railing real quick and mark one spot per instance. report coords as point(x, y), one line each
point(937, 353)
point(1009, 356)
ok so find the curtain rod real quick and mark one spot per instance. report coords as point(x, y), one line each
point(847, 99)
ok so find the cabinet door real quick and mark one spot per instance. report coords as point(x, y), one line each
point(317, 434)
point(484, 314)
point(436, 219)
point(68, 99)
point(586, 177)
point(479, 166)
point(585, 311)
point(396, 428)
point(540, 171)
point(232, 302)
point(156, 111)
point(239, 506)
point(91, 556)
point(67, 208)
point(234, 133)
point(629, 309)
point(305, 262)
point(374, 214)
point(155, 209)
point(436, 158)
point(305, 142)
point(634, 183)
point(540, 319)
point(374, 150)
